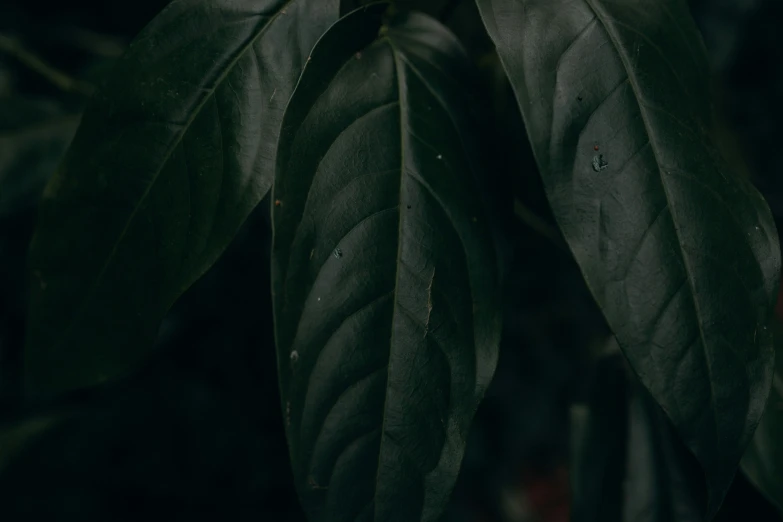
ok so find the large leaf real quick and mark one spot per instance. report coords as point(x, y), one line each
point(680, 252)
point(385, 291)
point(170, 158)
point(763, 461)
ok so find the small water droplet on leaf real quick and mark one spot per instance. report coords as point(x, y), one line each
point(294, 356)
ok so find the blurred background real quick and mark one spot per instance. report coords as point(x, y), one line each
point(198, 435)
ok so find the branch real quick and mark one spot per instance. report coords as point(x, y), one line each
point(13, 47)
point(539, 225)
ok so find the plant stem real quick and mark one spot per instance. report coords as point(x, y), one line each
point(539, 225)
point(58, 78)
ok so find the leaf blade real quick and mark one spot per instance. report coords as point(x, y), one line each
point(372, 222)
point(171, 156)
point(666, 236)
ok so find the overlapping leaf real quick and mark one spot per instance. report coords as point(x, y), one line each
point(680, 252)
point(384, 275)
point(169, 160)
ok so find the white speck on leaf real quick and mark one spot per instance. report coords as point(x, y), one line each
point(440, 156)
point(294, 356)
point(598, 163)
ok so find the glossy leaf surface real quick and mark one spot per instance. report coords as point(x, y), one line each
point(171, 156)
point(680, 252)
point(385, 290)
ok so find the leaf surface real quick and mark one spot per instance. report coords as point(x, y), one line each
point(384, 273)
point(170, 158)
point(679, 251)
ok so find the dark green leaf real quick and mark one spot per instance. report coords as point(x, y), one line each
point(171, 156)
point(384, 275)
point(763, 461)
point(679, 251)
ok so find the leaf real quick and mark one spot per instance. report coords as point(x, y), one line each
point(171, 156)
point(679, 251)
point(385, 291)
point(630, 465)
point(763, 460)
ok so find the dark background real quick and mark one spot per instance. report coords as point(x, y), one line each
point(198, 434)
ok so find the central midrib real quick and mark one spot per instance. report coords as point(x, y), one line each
point(634, 83)
point(402, 94)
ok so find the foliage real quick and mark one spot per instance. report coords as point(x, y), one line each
point(389, 179)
